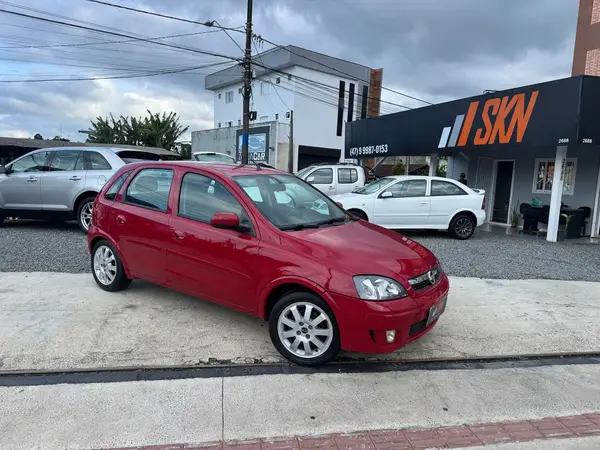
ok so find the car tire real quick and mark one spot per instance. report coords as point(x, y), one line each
point(84, 213)
point(462, 227)
point(290, 329)
point(358, 213)
point(107, 268)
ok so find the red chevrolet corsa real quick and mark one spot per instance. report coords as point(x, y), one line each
point(266, 243)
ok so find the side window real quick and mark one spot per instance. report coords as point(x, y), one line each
point(112, 191)
point(409, 188)
point(66, 160)
point(150, 189)
point(347, 176)
point(97, 162)
point(31, 163)
point(321, 176)
point(445, 188)
point(201, 197)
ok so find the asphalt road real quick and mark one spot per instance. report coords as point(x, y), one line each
point(49, 247)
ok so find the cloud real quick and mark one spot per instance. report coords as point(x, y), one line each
point(432, 49)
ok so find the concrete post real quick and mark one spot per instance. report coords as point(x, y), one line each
point(595, 219)
point(406, 165)
point(557, 190)
point(433, 164)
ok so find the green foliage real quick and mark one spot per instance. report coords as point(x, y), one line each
point(38, 136)
point(58, 138)
point(185, 150)
point(399, 168)
point(441, 171)
point(154, 130)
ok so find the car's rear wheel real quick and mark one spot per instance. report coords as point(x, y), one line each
point(84, 213)
point(304, 330)
point(462, 227)
point(107, 268)
point(358, 213)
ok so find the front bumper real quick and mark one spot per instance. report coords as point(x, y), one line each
point(363, 323)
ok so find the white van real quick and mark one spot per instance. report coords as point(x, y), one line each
point(332, 179)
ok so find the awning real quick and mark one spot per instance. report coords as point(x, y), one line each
point(561, 112)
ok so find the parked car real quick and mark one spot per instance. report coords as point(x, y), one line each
point(62, 183)
point(214, 157)
point(418, 202)
point(266, 243)
point(334, 179)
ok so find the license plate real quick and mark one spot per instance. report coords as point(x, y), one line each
point(436, 311)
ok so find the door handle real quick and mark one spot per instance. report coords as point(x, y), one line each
point(424, 203)
point(31, 180)
point(179, 235)
point(331, 188)
point(75, 178)
point(120, 219)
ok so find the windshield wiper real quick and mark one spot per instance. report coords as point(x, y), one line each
point(332, 221)
point(299, 226)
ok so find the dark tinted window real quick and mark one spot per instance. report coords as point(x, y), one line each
point(66, 160)
point(202, 197)
point(347, 176)
point(445, 188)
point(150, 188)
point(409, 188)
point(321, 176)
point(31, 163)
point(112, 192)
point(97, 162)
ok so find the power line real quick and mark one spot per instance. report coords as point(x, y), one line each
point(270, 80)
point(208, 23)
point(44, 19)
point(339, 71)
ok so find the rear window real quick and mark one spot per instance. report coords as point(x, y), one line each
point(129, 156)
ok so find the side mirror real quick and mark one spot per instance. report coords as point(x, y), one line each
point(228, 221)
point(386, 194)
point(310, 180)
point(339, 204)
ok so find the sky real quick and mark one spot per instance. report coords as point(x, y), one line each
point(437, 50)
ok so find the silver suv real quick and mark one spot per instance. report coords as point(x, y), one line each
point(62, 183)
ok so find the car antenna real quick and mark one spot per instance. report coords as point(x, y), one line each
point(257, 165)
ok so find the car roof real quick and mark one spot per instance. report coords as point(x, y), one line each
point(419, 177)
point(228, 170)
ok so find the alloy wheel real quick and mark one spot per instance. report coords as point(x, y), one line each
point(463, 227)
point(305, 330)
point(86, 215)
point(105, 265)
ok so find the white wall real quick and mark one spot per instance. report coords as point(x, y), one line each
point(314, 106)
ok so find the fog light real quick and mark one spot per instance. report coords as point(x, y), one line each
point(390, 335)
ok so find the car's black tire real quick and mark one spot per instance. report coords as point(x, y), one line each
point(358, 213)
point(325, 330)
point(462, 226)
point(84, 213)
point(110, 277)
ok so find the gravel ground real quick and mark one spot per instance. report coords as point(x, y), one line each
point(48, 247)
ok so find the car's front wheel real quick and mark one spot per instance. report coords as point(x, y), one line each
point(84, 213)
point(107, 268)
point(304, 330)
point(462, 226)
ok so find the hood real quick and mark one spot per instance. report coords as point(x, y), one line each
point(363, 248)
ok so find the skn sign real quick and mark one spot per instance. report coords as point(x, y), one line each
point(504, 120)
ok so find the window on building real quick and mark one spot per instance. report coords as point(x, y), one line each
point(239, 122)
point(278, 80)
point(240, 90)
point(347, 176)
point(544, 172)
point(229, 97)
point(445, 188)
point(276, 116)
point(265, 88)
point(219, 125)
point(219, 96)
point(229, 124)
point(263, 119)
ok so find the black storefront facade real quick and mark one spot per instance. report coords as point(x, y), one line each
point(539, 141)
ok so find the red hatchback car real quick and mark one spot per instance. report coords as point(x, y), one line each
point(266, 243)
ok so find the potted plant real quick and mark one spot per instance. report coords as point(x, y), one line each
point(514, 216)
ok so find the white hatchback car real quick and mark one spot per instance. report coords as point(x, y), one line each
point(418, 202)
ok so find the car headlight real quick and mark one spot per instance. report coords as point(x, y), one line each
point(373, 287)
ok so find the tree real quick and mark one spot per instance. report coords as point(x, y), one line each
point(398, 168)
point(185, 150)
point(155, 130)
point(38, 136)
point(59, 138)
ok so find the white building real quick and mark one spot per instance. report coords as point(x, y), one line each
point(285, 79)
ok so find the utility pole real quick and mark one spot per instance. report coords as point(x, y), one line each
point(247, 84)
point(291, 144)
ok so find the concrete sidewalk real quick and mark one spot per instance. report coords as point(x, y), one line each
point(64, 321)
point(110, 415)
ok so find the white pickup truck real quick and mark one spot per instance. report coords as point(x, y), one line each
point(332, 179)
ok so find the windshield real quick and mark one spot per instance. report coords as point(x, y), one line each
point(373, 187)
point(214, 158)
point(304, 171)
point(290, 203)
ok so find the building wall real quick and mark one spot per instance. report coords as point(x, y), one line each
point(586, 57)
point(586, 176)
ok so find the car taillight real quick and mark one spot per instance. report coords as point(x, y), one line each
point(483, 203)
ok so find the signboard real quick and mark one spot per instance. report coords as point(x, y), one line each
point(542, 115)
point(258, 145)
